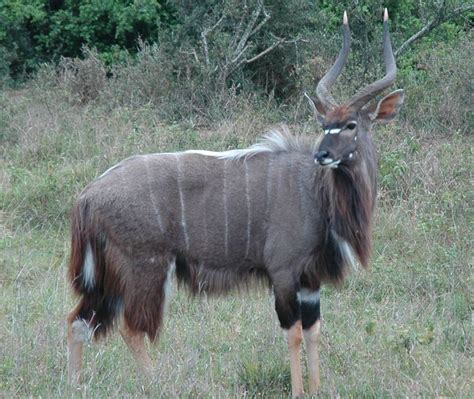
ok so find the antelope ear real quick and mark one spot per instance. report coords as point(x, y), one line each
point(317, 107)
point(388, 107)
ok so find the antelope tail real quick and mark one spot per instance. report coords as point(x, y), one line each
point(99, 303)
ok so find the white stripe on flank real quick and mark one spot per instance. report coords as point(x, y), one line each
point(169, 283)
point(88, 273)
point(308, 296)
point(301, 192)
point(269, 188)
point(204, 215)
point(152, 195)
point(181, 200)
point(226, 216)
point(249, 220)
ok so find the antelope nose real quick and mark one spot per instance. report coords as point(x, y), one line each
point(320, 156)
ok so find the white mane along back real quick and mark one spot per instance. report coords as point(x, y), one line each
point(275, 141)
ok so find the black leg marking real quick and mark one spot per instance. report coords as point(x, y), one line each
point(310, 313)
point(310, 308)
point(287, 307)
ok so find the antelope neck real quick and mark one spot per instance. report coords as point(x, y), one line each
point(351, 201)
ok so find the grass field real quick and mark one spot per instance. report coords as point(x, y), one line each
point(404, 328)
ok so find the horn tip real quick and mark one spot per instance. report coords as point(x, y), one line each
point(385, 15)
point(345, 20)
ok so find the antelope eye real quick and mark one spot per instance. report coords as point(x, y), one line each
point(351, 125)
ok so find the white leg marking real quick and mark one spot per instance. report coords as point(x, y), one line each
point(249, 220)
point(88, 272)
point(152, 195)
point(81, 332)
point(181, 200)
point(226, 216)
point(308, 296)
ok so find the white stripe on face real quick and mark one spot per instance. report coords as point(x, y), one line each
point(332, 131)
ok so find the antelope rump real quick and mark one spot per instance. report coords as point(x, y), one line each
point(293, 211)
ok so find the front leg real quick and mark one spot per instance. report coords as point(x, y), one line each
point(294, 339)
point(288, 311)
point(311, 319)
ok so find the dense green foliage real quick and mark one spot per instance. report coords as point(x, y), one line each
point(38, 31)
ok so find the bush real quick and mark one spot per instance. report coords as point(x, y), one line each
point(440, 86)
point(33, 32)
point(195, 58)
point(84, 79)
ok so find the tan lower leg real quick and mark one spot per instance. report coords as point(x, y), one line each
point(294, 338)
point(311, 337)
point(78, 333)
point(135, 340)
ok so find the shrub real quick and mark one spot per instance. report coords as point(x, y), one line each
point(33, 32)
point(439, 83)
point(84, 79)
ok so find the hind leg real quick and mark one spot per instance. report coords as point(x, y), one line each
point(135, 341)
point(78, 333)
point(146, 292)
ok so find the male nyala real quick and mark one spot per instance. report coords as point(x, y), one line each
point(293, 211)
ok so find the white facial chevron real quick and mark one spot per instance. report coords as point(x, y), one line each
point(332, 131)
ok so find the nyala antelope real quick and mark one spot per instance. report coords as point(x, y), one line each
point(293, 211)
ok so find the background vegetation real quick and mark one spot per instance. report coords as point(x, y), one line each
point(81, 92)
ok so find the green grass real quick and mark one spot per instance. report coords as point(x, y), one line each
point(401, 329)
